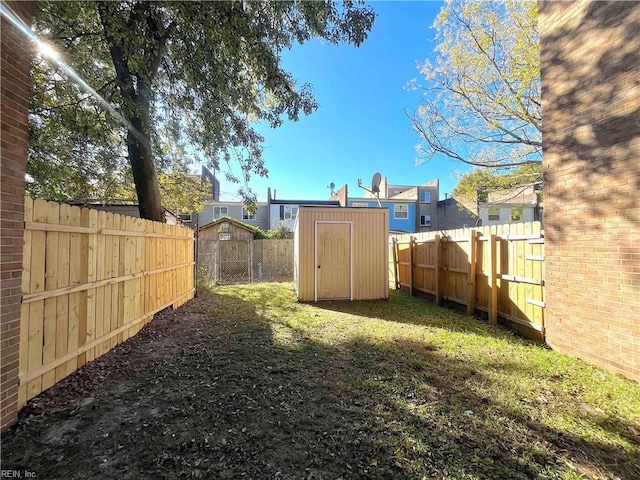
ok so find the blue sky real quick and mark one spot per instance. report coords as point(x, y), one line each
point(360, 127)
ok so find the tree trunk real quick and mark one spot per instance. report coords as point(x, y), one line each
point(144, 176)
point(141, 160)
point(136, 92)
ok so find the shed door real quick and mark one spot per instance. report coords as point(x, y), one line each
point(334, 260)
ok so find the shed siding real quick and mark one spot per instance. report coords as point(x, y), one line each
point(370, 275)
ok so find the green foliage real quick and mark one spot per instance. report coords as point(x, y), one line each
point(475, 186)
point(259, 233)
point(281, 232)
point(516, 214)
point(75, 148)
point(191, 78)
point(482, 93)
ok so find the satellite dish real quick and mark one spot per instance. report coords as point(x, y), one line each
point(375, 182)
point(375, 187)
point(332, 186)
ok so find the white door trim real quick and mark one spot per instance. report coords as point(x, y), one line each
point(315, 248)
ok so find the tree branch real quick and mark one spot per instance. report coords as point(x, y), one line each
point(117, 55)
point(494, 64)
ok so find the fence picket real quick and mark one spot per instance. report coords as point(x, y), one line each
point(77, 302)
point(507, 280)
point(49, 330)
point(36, 309)
point(471, 276)
point(23, 365)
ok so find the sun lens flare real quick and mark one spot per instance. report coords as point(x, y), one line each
point(50, 53)
point(47, 50)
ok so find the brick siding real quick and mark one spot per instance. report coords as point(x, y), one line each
point(590, 59)
point(16, 58)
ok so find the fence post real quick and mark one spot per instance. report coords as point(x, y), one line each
point(196, 258)
point(438, 268)
point(250, 247)
point(493, 263)
point(394, 246)
point(216, 261)
point(411, 242)
point(411, 262)
point(471, 283)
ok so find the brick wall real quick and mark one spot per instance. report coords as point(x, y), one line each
point(590, 58)
point(16, 54)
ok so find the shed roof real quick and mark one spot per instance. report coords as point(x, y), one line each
point(233, 221)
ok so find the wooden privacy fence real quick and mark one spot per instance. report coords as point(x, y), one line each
point(494, 269)
point(91, 280)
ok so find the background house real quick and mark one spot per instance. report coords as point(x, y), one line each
point(194, 219)
point(268, 216)
point(412, 208)
point(521, 204)
point(425, 198)
point(402, 212)
point(214, 183)
point(237, 210)
point(283, 213)
point(453, 213)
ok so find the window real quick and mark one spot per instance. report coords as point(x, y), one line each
point(425, 220)
point(359, 205)
point(494, 214)
point(247, 216)
point(425, 197)
point(400, 211)
point(224, 236)
point(290, 212)
point(185, 217)
point(219, 212)
point(516, 214)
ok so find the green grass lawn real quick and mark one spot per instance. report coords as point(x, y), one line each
point(418, 391)
point(245, 382)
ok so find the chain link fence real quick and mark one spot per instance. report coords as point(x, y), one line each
point(245, 261)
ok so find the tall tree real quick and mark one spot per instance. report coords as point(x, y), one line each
point(481, 102)
point(196, 72)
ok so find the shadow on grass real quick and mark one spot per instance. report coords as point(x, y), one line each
point(406, 309)
point(252, 398)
